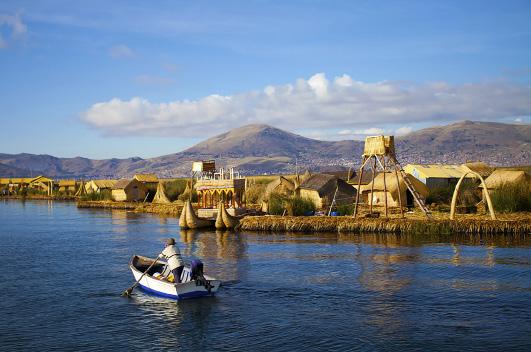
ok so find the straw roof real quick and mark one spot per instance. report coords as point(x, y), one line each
point(121, 184)
point(325, 184)
point(149, 178)
point(500, 177)
point(281, 184)
point(102, 184)
point(366, 178)
point(390, 179)
point(67, 183)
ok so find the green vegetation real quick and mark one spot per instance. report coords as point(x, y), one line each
point(102, 195)
point(294, 205)
point(175, 188)
point(512, 197)
point(440, 195)
point(254, 193)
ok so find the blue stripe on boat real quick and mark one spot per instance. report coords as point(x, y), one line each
point(179, 297)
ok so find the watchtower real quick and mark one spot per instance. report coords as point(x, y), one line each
point(379, 154)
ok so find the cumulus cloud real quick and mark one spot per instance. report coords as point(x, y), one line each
point(316, 103)
point(403, 131)
point(121, 51)
point(14, 26)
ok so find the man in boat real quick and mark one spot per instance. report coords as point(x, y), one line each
point(175, 261)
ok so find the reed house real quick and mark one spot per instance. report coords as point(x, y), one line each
point(322, 188)
point(129, 191)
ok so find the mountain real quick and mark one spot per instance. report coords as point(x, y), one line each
point(256, 149)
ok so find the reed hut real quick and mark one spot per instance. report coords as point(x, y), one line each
point(150, 180)
point(280, 185)
point(501, 177)
point(96, 186)
point(67, 186)
point(321, 189)
point(160, 196)
point(379, 194)
point(129, 191)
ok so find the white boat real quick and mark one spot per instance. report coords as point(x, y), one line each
point(159, 286)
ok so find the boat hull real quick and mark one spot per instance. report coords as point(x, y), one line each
point(177, 291)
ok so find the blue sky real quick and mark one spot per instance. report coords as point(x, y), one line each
point(118, 79)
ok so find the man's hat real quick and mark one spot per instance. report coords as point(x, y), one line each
point(170, 241)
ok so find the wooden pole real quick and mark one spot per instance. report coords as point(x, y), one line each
point(399, 193)
point(385, 187)
point(359, 186)
point(372, 182)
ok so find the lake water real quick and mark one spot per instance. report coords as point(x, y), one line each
point(64, 268)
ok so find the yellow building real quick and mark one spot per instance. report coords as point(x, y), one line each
point(436, 175)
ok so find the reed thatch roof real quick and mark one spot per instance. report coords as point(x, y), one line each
point(280, 185)
point(392, 186)
point(500, 177)
point(149, 178)
point(121, 184)
point(103, 184)
point(67, 183)
point(326, 185)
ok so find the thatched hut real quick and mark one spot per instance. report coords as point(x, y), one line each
point(320, 189)
point(502, 177)
point(96, 186)
point(129, 191)
point(280, 185)
point(67, 186)
point(379, 194)
point(150, 180)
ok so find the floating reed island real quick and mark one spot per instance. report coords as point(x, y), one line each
point(156, 208)
point(347, 224)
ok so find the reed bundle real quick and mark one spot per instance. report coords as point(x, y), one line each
point(380, 225)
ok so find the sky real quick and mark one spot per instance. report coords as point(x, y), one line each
point(103, 79)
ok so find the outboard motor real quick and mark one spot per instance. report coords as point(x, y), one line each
point(196, 269)
point(196, 273)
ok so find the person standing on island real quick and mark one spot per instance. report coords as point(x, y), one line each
point(175, 261)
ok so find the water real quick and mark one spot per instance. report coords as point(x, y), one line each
point(64, 268)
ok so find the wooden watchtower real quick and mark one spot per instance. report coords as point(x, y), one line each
point(379, 154)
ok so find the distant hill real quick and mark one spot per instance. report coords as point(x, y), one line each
point(256, 149)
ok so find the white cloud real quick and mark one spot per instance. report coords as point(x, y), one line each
point(316, 104)
point(518, 119)
point(403, 131)
point(121, 51)
point(14, 24)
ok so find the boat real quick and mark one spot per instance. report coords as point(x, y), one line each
point(155, 283)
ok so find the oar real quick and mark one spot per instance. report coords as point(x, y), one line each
point(128, 292)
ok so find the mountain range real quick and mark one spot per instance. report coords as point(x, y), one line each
point(259, 149)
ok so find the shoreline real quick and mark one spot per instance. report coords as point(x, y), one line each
point(507, 224)
point(162, 209)
point(347, 224)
